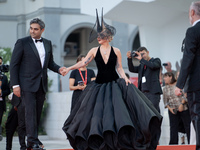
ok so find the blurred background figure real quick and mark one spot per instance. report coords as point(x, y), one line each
point(79, 79)
point(168, 67)
point(4, 91)
point(177, 108)
point(16, 120)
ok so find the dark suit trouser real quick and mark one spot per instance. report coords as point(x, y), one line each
point(174, 125)
point(21, 125)
point(154, 98)
point(11, 126)
point(33, 102)
point(194, 105)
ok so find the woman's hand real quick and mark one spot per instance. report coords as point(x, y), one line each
point(127, 81)
point(63, 71)
point(81, 87)
point(171, 110)
point(180, 108)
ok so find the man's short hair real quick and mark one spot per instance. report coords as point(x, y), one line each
point(1, 58)
point(38, 21)
point(142, 48)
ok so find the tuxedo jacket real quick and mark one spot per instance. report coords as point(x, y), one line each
point(25, 67)
point(190, 66)
point(151, 74)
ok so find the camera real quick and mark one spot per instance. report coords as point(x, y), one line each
point(133, 54)
point(3, 68)
point(165, 64)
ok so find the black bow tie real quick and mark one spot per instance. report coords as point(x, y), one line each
point(40, 40)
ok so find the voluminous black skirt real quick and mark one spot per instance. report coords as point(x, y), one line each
point(113, 116)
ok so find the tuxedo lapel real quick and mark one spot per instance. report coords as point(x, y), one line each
point(34, 48)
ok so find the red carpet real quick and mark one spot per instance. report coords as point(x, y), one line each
point(167, 147)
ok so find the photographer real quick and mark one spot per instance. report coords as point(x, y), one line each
point(168, 67)
point(148, 74)
point(4, 91)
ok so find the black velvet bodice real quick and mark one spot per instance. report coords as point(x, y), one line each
point(106, 72)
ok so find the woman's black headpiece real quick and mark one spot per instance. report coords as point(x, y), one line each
point(102, 30)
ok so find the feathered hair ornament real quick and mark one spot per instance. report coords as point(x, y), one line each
point(102, 30)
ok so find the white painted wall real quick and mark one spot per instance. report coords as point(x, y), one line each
point(59, 105)
point(8, 33)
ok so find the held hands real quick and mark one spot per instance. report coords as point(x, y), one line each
point(63, 71)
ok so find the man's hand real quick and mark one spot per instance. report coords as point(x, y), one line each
point(128, 54)
point(139, 57)
point(17, 91)
point(63, 71)
point(178, 91)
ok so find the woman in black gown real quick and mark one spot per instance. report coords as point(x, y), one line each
point(111, 113)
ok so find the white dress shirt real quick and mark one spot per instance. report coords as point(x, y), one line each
point(41, 51)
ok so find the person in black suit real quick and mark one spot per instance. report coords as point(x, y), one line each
point(190, 68)
point(148, 75)
point(4, 91)
point(31, 57)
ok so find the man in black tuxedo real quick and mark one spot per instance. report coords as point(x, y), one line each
point(190, 68)
point(148, 75)
point(4, 91)
point(31, 57)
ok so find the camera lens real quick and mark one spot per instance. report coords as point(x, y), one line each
point(133, 54)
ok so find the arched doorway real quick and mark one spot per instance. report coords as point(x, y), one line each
point(77, 43)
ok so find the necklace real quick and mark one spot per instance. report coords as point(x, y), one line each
point(105, 52)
